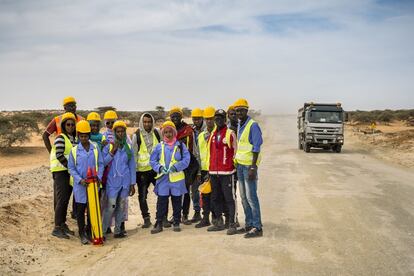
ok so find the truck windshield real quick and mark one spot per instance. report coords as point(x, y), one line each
point(325, 117)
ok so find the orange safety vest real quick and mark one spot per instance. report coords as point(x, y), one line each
point(58, 120)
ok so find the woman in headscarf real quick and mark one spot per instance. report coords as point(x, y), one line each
point(62, 189)
point(121, 178)
point(168, 160)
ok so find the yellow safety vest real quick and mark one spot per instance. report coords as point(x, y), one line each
point(55, 165)
point(74, 154)
point(204, 147)
point(173, 176)
point(143, 158)
point(244, 154)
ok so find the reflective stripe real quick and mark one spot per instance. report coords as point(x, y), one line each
point(244, 154)
point(55, 165)
point(74, 154)
point(173, 176)
point(143, 156)
point(204, 147)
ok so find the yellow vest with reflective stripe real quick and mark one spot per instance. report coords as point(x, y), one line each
point(244, 154)
point(74, 154)
point(204, 147)
point(143, 158)
point(55, 165)
point(173, 176)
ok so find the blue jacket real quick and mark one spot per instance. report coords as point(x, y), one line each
point(164, 187)
point(255, 137)
point(84, 159)
point(121, 173)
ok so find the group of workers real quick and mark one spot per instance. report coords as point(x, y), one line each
point(200, 163)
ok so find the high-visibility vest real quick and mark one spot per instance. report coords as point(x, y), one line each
point(55, 165)
point(58, 120)
point(143, 158)
point(173, 176)
point(74, 154)
point(244, 154)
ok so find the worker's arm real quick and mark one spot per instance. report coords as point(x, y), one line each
point(256, 139)
point(46, 140)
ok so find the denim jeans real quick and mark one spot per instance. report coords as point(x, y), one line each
point(249, 199)
point(114, 205)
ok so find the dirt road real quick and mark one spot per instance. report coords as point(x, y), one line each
point(323, 213)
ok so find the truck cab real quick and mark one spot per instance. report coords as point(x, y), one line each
point(321, 126)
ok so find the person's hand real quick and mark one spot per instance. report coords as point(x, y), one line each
point(164, 170)
point(83, 182)
point(132, 190)
point(114, 147)
point(198, 178)
point(104, 143)
point(173, 169)
point(252, 172)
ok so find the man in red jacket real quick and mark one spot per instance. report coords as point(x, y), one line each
point(222, 149)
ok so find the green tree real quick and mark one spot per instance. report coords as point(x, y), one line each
point(16, 129)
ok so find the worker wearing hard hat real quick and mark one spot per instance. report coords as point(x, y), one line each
point(203, 145)
point(247, 158)
point(232, 117)
point(110, 117)
point(98, 138)
point(198, 127)
point(121, 179)
point(59, 156)
point(223, 145)
point(84, 156)
point(168, 160)
point(55, 125)
point(185, 134)
point(144, 140)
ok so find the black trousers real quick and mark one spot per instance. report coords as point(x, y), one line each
point(61, 194)
point(222, 195)
point(162, 208)
point(80, 217)
point(144, 180)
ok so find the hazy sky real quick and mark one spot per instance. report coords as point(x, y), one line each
point(135, 55)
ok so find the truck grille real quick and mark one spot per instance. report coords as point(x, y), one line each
point(324, 130)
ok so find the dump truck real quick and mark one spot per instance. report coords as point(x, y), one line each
point(321, 125)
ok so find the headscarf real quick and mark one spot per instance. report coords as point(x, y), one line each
point(171, 141)
point(123, 144)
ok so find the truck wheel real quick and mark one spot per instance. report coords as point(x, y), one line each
point(307, 147)
point(300, 146)
point(338, 148)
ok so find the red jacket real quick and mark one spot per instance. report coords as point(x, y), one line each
point(222, 152)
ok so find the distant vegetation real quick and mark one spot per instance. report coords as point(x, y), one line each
point(381, 116)
point(16, 129)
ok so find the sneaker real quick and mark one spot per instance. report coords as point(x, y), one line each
point(254, 233)
point(244, 230)
point(218, 226)
point(185, 220)
point(203, 223)
point(166, 223)
point(196, 217)
point(59, 233)
point(147, 223)
point(120, 235)
point(109, 231)
point(158, 227)
point(232, 229)
point(83, 238)
point(176, 228)
point(123, 228)
point(66, 229)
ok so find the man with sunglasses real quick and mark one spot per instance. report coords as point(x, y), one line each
point(69, 105)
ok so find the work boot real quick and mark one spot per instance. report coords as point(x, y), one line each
point(147, 223)
point(219, 226)
point(59, 233)
point(176, 227)
point(158, 227)
point(196, 217)
point(65, 228)
point(185, 220)
point(244, 230)
point(203, 223)
point(109, 231)
point(232, 229)
point(254, 233)
point(123, 231)
point(166, 223)
point(83, 238)
point(120, 235)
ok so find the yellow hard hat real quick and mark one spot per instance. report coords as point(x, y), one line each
point(68, 116)
point(209, 112)
point(110, 115)
point(83, 127)
point(176, 109)
point(231, 107)
point(168, 124)
point(205, 188)
point(93, 116)
point(68, 100)
point(119, 124)
point(197, 112)
point(241, 103)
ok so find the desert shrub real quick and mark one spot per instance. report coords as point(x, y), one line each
point(16, 129)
